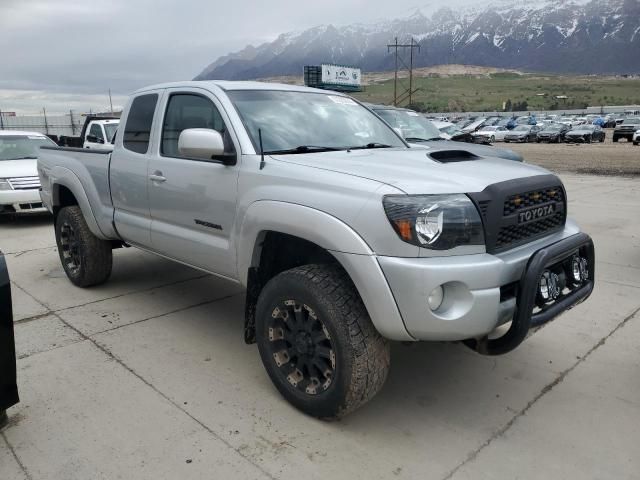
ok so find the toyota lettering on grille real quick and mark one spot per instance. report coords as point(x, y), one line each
point(536, 213)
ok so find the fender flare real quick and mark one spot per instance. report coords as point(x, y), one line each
point(63, 177)
point(310, 224)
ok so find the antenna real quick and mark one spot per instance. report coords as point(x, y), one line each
point(261, 149)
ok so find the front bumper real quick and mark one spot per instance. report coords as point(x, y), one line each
point(515, 139)
point(21, 201)
point(480, 290)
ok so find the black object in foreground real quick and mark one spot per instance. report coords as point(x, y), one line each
point(8, 386)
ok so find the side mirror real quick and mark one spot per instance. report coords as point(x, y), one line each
point(203, 143)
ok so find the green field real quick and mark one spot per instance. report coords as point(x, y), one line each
point(487, 93)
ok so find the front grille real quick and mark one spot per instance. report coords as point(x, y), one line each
point(519, 211)
point(25, 183)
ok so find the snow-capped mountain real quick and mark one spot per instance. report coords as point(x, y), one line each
point(563, 36)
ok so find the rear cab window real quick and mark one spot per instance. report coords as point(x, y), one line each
point(137, 132)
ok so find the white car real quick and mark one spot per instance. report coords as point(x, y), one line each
point(19, 181)
point(636, 138)
point(491, 134)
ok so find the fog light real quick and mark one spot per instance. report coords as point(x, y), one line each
point(435, 298)
point(580, 269)
point(549, 287)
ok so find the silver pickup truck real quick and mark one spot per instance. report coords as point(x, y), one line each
point(343, 236)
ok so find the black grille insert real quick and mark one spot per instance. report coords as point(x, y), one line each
point(506, 211)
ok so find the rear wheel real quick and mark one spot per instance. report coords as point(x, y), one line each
point(492, 139)
point(317, 342)
point(86, 259)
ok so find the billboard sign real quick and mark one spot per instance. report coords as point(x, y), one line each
point(339, 75)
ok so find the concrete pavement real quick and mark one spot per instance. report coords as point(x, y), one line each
point(147, 376)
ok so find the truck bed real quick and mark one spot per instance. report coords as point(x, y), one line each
point(89, 168)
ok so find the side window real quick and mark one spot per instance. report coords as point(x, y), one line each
point(137, 132)
point(184, 111)
point(96, 131)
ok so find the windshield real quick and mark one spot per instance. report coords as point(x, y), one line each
point(521, 128)
point(554, 128)
point(110, 130)
point(489, 129)
point(632, 120)
point(315, 121)
point(413, 125)
point(584, 128)
point(18, 147)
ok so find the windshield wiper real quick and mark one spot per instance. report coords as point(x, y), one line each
point(22, 158)
point(303, 149)
point(418, 139)
point(370, 145)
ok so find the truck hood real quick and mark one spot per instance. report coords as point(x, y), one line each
point(414, 172)
point(19, 168)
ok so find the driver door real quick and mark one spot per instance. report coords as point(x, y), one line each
point(193, 201)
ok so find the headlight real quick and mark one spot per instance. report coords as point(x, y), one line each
point(4, 184)
point(438, 222)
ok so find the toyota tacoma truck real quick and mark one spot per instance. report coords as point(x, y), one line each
point(344, 237)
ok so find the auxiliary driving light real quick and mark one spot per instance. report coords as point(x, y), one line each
point(549, 287)
point(435, 298)
point(580, 269)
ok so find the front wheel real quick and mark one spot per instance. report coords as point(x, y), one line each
point(317, 342)
point(86, 259)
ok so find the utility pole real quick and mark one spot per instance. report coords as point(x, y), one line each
point(46, 125)
point(73, 126)
point(407, 93)
point(110, 102)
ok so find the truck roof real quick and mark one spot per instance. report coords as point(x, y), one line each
point(229, 85)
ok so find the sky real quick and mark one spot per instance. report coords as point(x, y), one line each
point(67, 54)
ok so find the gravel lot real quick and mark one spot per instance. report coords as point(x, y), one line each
point(606, 158)
point(147, 377)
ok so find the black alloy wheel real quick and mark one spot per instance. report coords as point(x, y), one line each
point(70, 249)
point(301, 347)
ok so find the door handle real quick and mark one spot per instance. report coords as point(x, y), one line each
point(157, 177)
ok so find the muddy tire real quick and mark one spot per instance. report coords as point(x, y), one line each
point(86, 259)
point(317, 342)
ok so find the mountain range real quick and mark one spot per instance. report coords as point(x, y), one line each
point(559, 36)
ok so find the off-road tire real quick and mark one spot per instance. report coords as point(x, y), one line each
point(93, 256)
point(361, 355)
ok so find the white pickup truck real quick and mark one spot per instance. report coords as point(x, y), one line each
point(99, 134)
point(344, 236)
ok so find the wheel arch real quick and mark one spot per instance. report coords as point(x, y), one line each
point(307, 235)
point(67, 192)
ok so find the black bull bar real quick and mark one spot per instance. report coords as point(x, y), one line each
point(524, 317)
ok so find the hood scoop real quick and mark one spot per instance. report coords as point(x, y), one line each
point(453, 156)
